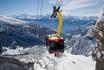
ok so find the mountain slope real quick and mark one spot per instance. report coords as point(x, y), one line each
point(70, 23)
point(33, 34)
point(98, 32)
point(21, 35)
point(11, 20)
point(42, 60)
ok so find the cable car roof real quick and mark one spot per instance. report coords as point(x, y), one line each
point(53, 37)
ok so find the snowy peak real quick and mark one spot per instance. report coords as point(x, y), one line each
point(11, 20)
point(25, 16)
point(101, 15)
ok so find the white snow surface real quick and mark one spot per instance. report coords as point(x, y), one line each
point(44, 61)
point(11, 20)
point(71, 62)
point(77, 35)
point(12, 51)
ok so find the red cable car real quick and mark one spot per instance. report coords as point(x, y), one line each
point(55, 44)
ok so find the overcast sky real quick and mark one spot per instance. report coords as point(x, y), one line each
point(69, 7)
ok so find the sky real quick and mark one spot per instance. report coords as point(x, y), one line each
point(69, 7)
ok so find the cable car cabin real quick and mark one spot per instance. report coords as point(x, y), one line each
point(55, 44)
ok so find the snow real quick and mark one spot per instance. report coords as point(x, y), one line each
point(44, 61)
point(37, 67)
point(101, 34)
point(71, 62)
point(101, 15)
point(12, 51)
point(23, 16)
point(11, 20)
point(68, 34)
point(77, 35)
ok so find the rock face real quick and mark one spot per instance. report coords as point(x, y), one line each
point(99, 34)
point(100, 65)
point(11, 64)
point(7, 63)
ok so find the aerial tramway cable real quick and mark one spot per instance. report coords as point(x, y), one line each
point(58, 2)
point(40, 4)
point(41, 10)
point(37, 9)
point(61, 1)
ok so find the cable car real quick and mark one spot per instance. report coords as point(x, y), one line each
point(55, 42)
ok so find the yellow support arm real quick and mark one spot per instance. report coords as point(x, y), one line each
point(60, 23)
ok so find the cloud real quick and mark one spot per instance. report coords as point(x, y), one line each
point(74, 5)
point(74, 2)
point(53, 1)
point(70, 7)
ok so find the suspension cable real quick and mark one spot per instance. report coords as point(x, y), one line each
point(58, 2)
point(37, 9)
point(61, 1)
point(40, 4)
point(41, 10)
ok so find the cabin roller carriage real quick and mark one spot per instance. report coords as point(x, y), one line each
point(55, 42)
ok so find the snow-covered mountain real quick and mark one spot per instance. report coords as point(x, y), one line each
point(11, 20)
point(98, 32)
point(79, 42)
point(82, 43)
point(70, 23)
point(79, 39)
point(101, 15)
point(21, 34)
point(42, 60)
